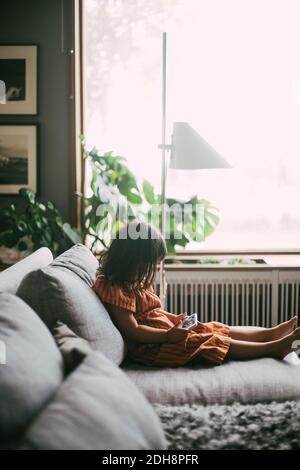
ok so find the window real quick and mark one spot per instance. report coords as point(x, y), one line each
point(233, 73)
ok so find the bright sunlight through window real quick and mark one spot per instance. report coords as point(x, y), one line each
point(233, 73)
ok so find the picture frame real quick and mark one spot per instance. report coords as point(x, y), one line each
point(18, 157)
point(18, 79)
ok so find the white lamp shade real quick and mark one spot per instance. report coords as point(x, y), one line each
point(191, 152)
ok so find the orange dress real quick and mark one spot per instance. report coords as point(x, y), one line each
point(207, 341)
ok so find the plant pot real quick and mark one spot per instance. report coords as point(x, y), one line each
point(10, 256)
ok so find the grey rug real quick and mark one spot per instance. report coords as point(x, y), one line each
point(260, 426)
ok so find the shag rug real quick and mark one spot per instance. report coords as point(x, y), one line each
point(261, 426)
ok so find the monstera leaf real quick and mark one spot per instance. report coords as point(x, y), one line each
point(112, 182)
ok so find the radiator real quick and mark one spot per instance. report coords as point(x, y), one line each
point(261, 298)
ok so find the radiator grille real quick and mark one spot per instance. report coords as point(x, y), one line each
point(288, 300)
point(261, 299)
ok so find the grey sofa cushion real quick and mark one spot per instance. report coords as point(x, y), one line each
point(62, 292)
point(11, 277)
point(234, 381)
point(33, 369)
point(72, 347)
point(80, 261)
point(99, 408)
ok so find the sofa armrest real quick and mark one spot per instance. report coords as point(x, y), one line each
point(11, 278)
point(96, 408)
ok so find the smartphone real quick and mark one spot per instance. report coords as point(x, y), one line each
point(190, 321)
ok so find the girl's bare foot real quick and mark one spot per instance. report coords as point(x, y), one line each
point(239, 350)
point(282, 330)
point(284, 346)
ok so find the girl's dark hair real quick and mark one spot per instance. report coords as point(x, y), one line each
point(133, 255)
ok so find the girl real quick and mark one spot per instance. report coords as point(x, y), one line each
point(153, 336)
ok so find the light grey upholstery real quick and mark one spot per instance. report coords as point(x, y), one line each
point(234, 381)
point(77, 418)
point(98, 408)
point(32, 369)
point(80, 261)
point(11, 278)
point(62, 292)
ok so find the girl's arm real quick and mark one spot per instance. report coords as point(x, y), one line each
point(132, 331)
point(175, 319)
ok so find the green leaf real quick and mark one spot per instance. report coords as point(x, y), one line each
point(59, 221)
point(21, 227)
point(170, 247)
point(214, 218)
point(112, 179)
point(206, 204)
point(28, 195)
point(193, 201)
point(121, 159)
point(5, 214)
point(116, 227)
point(183, 241)
point(9, 239)
point(72, 234)
point(94, 153)
point(134, 198)
point(148, 192)
point(175, 202)
point(208, 229)
point(22, 246)
point(50, 206)
point(42, 207)
point(38, 224)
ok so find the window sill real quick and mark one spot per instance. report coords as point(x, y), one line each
point(272, 260)
point(246, 251)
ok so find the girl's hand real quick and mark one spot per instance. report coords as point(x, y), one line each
point(175, 335)
point(182, 316)
point(179, 319)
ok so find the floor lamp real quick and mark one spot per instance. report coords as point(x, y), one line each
point(188, 151)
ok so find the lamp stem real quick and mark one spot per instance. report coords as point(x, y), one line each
point(164, 166)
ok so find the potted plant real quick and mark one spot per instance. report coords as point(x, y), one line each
point(31, 225)
point(112, 182)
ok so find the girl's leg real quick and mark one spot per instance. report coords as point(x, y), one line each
point(262, 335)
point(251, 350)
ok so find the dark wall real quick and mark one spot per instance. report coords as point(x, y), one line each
point(48, 23)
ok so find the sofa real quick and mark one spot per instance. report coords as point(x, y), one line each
point(103, 400)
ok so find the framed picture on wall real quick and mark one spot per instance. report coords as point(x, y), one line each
point(18, 79)
point(18, 157)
